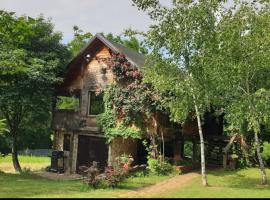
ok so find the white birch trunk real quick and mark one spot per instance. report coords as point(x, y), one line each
point(263, 173)
point(203, 169)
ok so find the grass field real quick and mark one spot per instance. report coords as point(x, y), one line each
point(15, 185)
point(29, 162)
point(243, 183)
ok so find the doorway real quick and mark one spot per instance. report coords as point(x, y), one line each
point(92, 149)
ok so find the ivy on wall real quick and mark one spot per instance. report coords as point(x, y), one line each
point(128, 102)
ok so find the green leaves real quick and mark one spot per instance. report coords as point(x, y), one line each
point(31, 59)
point(3, 126)
point(180, 41)
point(241, 66)
point(123, 131)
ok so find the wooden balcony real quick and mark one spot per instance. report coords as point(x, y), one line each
point(71, 120)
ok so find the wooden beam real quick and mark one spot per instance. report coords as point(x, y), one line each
point(226, 150)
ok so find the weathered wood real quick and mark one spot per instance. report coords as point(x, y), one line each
point(244, 148)
point(226, 149)
point(74, 153)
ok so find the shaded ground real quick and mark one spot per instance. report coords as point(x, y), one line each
point(58, 177)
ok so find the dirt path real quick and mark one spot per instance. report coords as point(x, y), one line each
point(164, 186)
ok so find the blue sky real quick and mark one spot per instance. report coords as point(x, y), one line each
point(90, 15)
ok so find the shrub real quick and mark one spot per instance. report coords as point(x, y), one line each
point(92, 176)
point(160, 168)
point(141, 173)
point(115, 176)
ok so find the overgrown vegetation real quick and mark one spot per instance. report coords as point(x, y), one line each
point(128, 103)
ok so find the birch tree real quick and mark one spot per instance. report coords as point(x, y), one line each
point(241, 69)
point(181, 36)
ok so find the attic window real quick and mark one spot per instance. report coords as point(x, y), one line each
point(96, 105)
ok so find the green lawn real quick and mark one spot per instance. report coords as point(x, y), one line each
point(29, 162)
point(225, 184)
point(242, 183)
point(15, 185)
point(27, 159)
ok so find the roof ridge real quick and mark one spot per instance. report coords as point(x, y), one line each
point(112, 45)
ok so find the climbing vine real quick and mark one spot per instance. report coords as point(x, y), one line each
point(129, 102)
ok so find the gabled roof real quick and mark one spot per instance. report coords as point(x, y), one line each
point(132, 56)
point(75, 66)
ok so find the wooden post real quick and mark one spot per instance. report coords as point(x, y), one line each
point(70, 154)
point(226, 150)
point(55, 138)
point(61, 141)
point(73, 153)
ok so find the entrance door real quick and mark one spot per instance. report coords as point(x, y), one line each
point(92, 149)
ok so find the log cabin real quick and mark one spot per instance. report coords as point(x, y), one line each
point(76, 132)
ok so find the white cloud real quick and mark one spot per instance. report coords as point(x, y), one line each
point(90, 15)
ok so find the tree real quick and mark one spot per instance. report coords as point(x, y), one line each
point(241, 67)
point(179, 40)
point(128, 41)
point(31, 59)
point(79, 41)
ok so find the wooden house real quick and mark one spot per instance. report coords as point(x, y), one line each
point(76, 131)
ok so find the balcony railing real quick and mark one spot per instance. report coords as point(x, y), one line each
point(67, 120)
point(72, 120)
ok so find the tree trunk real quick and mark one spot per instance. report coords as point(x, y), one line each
point(15, 159)
point(263, 173)
point(204, 177)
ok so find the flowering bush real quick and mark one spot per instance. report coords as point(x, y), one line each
point(130, 100)
point(114, 176)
